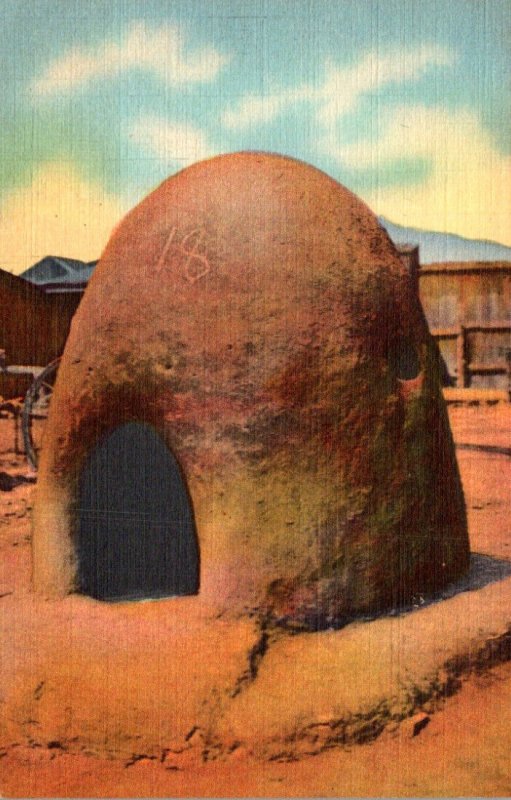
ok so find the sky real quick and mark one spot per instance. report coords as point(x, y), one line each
point(405, 102)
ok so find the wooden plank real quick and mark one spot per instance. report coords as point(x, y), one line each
point(460, 267)
point(497, 326)
point(478, 368)
point(493, 326)
point(452, 395)
point(445, 333)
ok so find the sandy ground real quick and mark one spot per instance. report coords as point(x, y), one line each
point(459, 746)
point(463, 751)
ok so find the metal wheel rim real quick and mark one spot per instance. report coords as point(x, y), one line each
point(42, 380)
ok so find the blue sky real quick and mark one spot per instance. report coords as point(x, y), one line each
point(404, 101)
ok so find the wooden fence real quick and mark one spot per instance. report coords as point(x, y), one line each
point(468, 308)
point(467, 363)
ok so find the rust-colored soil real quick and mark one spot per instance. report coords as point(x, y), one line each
point(463, 751)
point(462, 744)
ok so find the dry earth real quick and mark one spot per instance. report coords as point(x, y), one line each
point(455, 743)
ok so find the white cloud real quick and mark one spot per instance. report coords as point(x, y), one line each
point(342, 87)
point(254, 110)
point(170, 141)
point(158, 50)
point(345, 86)
point(58, 213)
point(466, 189)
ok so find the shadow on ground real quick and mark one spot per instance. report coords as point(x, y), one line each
point(483, 571)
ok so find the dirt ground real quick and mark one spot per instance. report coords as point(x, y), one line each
point(459, 746)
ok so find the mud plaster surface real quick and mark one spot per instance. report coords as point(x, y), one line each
point(81, 678)
point(270, 371)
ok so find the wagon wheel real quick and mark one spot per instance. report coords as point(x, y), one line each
point(35, 410)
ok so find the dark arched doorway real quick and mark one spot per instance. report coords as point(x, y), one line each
point(136, 532)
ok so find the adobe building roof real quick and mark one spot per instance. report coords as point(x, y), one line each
point(257, 316)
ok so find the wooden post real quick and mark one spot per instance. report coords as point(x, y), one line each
point(508, 367)
point(462, 378)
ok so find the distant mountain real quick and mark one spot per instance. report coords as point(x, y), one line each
point(434, 247)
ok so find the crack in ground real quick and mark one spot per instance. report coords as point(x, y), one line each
point(136, 757)
point(255, 656)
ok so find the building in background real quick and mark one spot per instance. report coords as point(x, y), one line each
point(36, 309)
point(30, 333)
point(57, 275)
